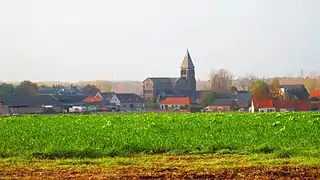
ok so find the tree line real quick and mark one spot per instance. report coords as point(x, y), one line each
point(27, 87)
point(221, 81)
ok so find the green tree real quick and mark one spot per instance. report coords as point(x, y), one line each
point(90, 89)
point(7, 88)
point(209, 99)
point(275, 90)
point(259, 89)
point(27, 88)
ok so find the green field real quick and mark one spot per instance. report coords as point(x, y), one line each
point(90, 136)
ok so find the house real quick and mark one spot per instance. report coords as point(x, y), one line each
point(172, 103)
point(314, 99)
point(104, 95)
point(294, 92)
point(222, 105)
point(279, 105)
point(127, 100)
point(262, 106)
point(98, 104)
point(243, 99)
point(315, 94)
point(161, 87)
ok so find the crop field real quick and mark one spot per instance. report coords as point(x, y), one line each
point(145, 143)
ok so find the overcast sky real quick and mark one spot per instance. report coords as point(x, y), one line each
point(71, 40)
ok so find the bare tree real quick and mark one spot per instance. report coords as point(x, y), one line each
point(220, 81)
point(245, 82)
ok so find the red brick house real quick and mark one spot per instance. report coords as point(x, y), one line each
point(314, 100)
point(278, 106)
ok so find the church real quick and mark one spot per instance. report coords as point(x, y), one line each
point(158, 88)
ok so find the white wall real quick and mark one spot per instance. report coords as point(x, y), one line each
point(115, 100)
point(171, 106)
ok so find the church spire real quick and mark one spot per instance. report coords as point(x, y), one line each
point(187, 62)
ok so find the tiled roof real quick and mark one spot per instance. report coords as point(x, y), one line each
point(164, 79)
point(315, 93)
point(224, 102)
point(243, 95)
point(290, 86)
point(263, 103)
point(92, 99)
point(70, 99)
point(107, 95)
point(129, 98)
point(176, 100)
point(34, 100)
point(164, 82)
point(300, 105)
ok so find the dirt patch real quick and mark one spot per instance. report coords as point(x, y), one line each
point(282, 172)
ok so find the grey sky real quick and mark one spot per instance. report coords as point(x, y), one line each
point(70, 40)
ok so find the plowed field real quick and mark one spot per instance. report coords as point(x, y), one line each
point(282, 172)
point(165, 167)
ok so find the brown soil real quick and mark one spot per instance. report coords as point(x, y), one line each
point(281, 172)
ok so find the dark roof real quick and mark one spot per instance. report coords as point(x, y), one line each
point(164, 82)
point(47, 91)
point(297, 87)
point(164, 79)
point(187, 62)
point(224, 95)
point(243, 95)
point(68, 91)
point(129, 98)
point(224, 102)
point(107, 95)
point(291, 86)
point(33, 100)
point(70, 99)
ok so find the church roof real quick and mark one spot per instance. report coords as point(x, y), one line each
point(187, 62)
point(165, 79)
point(164, 82)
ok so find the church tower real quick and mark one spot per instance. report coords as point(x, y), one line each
point(187, 71)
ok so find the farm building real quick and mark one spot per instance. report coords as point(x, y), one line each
point(98, 104)
point(314, 100)
point(127, 100)
point(17, 104)
point(171, 103)
point(278, 106)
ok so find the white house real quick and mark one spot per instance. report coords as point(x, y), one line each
point(127, 100)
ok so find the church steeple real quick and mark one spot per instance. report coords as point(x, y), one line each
point(187, 72)
point(187, 63)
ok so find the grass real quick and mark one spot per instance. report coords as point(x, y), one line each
point(283, 135)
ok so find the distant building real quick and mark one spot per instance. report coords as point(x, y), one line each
point(172, 103)
point(162, 87)
point(127, 100)
point(294, 92)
